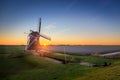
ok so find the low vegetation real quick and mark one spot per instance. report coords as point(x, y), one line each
point(78, 59)
point(16, 65)
point(107, 73)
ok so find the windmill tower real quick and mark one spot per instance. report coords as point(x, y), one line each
point(34, 38)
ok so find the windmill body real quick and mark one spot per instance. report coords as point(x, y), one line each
point(33, 41)
point(34, 38)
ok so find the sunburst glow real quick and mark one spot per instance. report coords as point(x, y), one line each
point(44, 44)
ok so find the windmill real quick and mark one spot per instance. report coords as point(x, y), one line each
point(34, 38)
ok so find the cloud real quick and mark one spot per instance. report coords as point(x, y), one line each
point(50, 26)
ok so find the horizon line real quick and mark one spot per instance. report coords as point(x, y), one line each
point(60, 45)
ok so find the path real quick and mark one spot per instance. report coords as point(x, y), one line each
point(86, 64)
point(54, 60)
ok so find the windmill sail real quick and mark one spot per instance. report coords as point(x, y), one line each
point(46, 37)
point(39, 28)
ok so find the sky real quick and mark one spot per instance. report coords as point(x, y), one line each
point(74, 22)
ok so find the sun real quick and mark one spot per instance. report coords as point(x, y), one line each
point(44, 44)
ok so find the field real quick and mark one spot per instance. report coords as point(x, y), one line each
point(15, 64)
point(87, 49)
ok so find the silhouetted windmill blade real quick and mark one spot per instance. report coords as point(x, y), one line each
point(39, 28)
point(46, 37)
